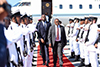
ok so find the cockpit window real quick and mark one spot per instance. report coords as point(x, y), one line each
point(25, 4)
point(16, 4)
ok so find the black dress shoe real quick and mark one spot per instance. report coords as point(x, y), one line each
point(61, 66)
point(43, 64)
point(33, 60)
point(48, 63)
point(34, 57)
point(33, 65)
point(55, 66)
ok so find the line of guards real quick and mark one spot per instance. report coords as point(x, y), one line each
point(20, 34)
point(84, 39)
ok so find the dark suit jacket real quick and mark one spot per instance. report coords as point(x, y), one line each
point(51, 36)
point(42, 33)
point(3, 45)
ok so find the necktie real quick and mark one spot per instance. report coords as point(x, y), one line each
point(57, 33)
point(45, 25)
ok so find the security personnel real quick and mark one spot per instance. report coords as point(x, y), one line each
point(70, 32)
point(75, 44)
point(92, 37)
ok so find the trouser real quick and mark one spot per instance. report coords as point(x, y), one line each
point(44, 51)
point(3, 55)
point(71, 45)
point(82, 49)
point(28, 61)
point(57, 49)
point(76, 48)
point(87, 59)
point(93, 59)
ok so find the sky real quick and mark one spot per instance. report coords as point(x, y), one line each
point(13, 2)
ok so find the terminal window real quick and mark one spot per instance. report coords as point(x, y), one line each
point(60, 6)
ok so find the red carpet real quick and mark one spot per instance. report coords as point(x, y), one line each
point(66, 63)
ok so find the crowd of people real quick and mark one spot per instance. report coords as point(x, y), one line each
point(84, 39)
point(18, 39)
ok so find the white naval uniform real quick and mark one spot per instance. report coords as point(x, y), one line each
point(27, 58)
point(32, 29)
point(22, 28)
point(93, 35)
point(81, 45)
point(71, 38)
point(10, 35)
point(86, 53)
point(74, 35)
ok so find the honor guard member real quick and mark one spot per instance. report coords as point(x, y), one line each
point(85, 35)
point(27, 51)
point(32, 29)
point(79, 40)
point(92, 37)
point(74, 35)
point(5, 9)
point(13, 29)
point(70, 32)
point(82, 54)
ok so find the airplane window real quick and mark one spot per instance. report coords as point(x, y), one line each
point(60, 6)
point(25, 4)
point(99, 6)
point(70, 6)
point(80, 6)
point(90, 6)
point(16, 4)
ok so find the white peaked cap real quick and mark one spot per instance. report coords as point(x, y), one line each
point(13, 12)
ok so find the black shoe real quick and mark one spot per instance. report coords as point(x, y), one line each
point(43, 64)
point(33, 65)
point(48, 63)
point(72, 55)
point(34, 57)
point(61, 66)
point(76, 58)
point(33, 60)
point(55, 66)
point(82, 63)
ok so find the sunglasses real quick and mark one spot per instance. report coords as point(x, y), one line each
point(7, 7)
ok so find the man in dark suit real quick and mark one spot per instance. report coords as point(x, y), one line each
point(43, 28)
point(57, 40)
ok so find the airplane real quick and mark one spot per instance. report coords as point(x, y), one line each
point(62, 9)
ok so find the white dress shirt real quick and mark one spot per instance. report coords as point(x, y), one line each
point(56, 33)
